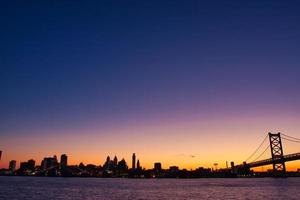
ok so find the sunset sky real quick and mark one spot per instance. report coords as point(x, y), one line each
point(186, 83)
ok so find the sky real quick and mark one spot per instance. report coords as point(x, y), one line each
point(186, 83)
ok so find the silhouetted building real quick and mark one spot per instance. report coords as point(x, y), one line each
point(173, 169)
point(122, 168)
point(81, 166)
point(115, 161)
point(63, 160)
point(26, 168)
point(174, 172)
point(204, 172)
point(133, 160)
point(122, 165)
point(49, 162)
point(157, 166)
point(12, 165)
point(50, 166)
point(109, 164)
point(107, 159)
point(31, 164)
point(23, 166)
point(138, 166)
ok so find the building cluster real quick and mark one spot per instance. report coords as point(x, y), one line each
point(51, 166)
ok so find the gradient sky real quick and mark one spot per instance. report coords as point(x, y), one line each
point(187, 83)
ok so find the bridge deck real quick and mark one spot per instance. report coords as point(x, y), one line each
point(286, 158)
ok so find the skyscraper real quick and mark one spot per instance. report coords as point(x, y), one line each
point(122, 165)
point(63, 160)
point(31, 164)
point(115, 161)
point(108, 164)
point(138, 166)
point(107, 159)
point(23, 167)
point(12, 165)
point(157, 166)
point(133, 160)
point(49, 162)
point(55, 159)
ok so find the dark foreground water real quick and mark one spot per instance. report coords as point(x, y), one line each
point(95, 188)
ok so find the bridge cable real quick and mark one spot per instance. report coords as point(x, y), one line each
point(257, 148)
point(291, 137)
point(262, 153)
point(290, 140)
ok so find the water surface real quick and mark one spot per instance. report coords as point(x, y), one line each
point(103, 189)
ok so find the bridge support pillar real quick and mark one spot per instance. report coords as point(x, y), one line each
point(277, 154)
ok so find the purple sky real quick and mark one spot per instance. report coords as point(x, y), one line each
point(122, 69)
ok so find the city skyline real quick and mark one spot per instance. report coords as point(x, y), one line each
point(135, 161)
point(187, 84)
point(118, 168)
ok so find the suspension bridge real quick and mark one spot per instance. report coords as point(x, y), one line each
point(277, 158)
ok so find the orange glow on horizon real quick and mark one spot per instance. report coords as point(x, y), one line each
point(190, 144)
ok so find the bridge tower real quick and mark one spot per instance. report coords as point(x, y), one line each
point(277, 153)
